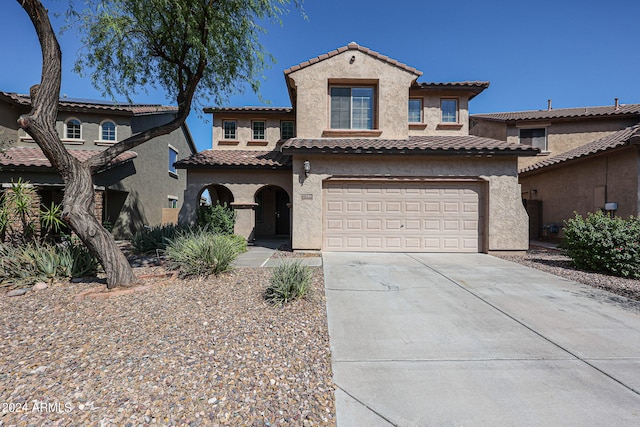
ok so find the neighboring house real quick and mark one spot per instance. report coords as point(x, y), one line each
point(588, 162)
point(136, 189)
point(366, 159)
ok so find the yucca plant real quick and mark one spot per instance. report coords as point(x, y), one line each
point(50, 220)
point(198, 253)
point(289, 281)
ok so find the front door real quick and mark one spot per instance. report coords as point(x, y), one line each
point(282, 212)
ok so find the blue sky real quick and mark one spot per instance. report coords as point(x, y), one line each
point(578, 53)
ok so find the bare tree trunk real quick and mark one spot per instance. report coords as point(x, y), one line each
point(79, 208)
point(40, 123)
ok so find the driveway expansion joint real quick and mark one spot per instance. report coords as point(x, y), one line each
point(369, 408)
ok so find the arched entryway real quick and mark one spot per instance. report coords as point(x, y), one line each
point(217, 194)
point(273, 217)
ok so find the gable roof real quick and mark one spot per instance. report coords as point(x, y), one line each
point(562, 113)
point(236, 159)
point(461, 145)
point(82, 105)
point(33, 157)
point(352, 46)
point(630, 135)
point(241, 110)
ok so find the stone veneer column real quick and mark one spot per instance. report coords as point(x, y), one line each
point(99, 206)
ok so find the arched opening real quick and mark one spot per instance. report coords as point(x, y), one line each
point(215, 194)
point(273, 217)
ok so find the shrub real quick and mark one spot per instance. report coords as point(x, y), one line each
point(603, 243)
point(219, 219)
point(201, 253)
point(156, 238)
point(76, 260)
point(288, 281)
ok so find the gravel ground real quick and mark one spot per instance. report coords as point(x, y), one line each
point(554, 262)
point(205, 352)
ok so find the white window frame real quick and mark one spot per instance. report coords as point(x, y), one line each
point(173, 200)
point(66, 130)
point(235, 130)
point(372, 124)
point(172, 169)
point(421, 119)
point(457, 112)
point(115, 132)
point(253, 130)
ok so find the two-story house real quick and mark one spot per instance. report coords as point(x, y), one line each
point(138, 188)
point(588, 160)
point(366, 159)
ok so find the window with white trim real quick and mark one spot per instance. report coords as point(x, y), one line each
point(229, 128)
point(173, 202)
point(258, 128)
point(108, 131)
point(173, 157)
point(535, 137)
point(415, 110)
point(449, 109)
point(73, 129)
point(351, 107)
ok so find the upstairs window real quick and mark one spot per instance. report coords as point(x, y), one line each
point(229, 128)
point(449, 109)
point(73, 129)
point(351, 108)
point(173, 157)
point(108, 131)
point(536, 138)
point(415, 110)
point(287, 129)
point(258, 129)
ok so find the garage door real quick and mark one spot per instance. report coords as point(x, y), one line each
point(388, 216)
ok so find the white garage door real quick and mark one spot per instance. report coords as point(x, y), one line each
point(387, 216)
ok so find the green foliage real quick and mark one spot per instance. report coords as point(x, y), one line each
point(35, 261)
point(219, 219)
point(51, 220)
point(174, 44)
point(18, 220)
point(289, 280)
point(202, 253)
point(603, 243)
point(149, 240)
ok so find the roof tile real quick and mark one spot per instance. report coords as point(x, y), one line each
point(34, 157)
point(417, 144)
point(236, 159)
point(561, 113)
point(609, 142)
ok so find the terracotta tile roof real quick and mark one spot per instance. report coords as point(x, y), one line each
point(234, 159)
point(352, 46)
point(68, 104)
point(475, 87)
point(262, 109)
point(413, 144)
point(562, 113)
point(617, 139)
point(34, 157)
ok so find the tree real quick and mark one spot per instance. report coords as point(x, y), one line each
point(192, 49)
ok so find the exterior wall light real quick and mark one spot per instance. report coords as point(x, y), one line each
point(307, 167)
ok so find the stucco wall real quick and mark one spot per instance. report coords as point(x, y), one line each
point(243, 184)
point(391, 91)
point(486, 129)
point(432, 113)
point(506, 226)
point(578, 186)
point(244, 132)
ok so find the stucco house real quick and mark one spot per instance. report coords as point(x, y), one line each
point(589, 160)
point(366, 159)
point(138, 188)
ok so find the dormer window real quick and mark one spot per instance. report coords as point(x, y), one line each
point(351, 107)
point(108, 131)
point(73, 129)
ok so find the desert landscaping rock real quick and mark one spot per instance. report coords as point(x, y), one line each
point(40, 286)
point(17, 292)
point(200, 352)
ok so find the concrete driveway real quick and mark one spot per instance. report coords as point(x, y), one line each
point(469, 339)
